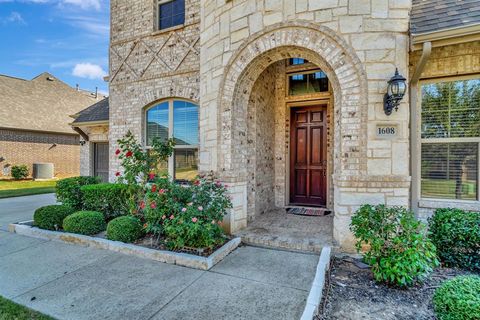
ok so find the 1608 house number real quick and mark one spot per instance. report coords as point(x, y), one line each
point(386, 131)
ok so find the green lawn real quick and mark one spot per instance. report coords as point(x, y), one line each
point(12, 311)
point(11, 188)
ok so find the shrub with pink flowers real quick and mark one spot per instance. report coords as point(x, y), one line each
point(178, 215)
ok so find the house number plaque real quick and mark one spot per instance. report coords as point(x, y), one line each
point(386, 131)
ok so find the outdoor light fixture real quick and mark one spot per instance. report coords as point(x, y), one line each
point(395, 92)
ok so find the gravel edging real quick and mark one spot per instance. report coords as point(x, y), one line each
point(315, 295)
point(178, 258)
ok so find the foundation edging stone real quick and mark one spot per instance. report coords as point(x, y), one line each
point(182, 259)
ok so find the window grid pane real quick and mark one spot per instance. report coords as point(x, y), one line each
point(157, 123)
point(307, 83)
point(171, 14)
point(185, 123)
point(449, 171)
point(186, 164)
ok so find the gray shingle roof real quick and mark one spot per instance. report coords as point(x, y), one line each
point(42, 104)
point(96, 112)
point(436, 15)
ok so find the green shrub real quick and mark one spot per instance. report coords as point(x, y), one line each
point(399, 250)
point(85, 222)
point(69, 193)
point(125, 229)
point(20, 172)
point(458, 299)
point(456, 234)
point(108, 198)
point(51, 217)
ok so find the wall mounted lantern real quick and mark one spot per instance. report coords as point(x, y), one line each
point(395, 92)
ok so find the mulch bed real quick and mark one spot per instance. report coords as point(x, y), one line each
point(351, 293)
point(150, 242)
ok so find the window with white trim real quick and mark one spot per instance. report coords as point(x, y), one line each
point(171, 13)
point(177, 119)
point(450, 139)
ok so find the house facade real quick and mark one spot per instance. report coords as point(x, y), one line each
point(34, 116)
point(285, 100)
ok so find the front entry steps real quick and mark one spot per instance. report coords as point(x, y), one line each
point(277, 229)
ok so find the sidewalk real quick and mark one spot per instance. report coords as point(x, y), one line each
point(73, 282)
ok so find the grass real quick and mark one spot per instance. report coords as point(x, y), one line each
point(12, 311)
point(12, 188)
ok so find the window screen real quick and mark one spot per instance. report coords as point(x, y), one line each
point(171, 13)
point(450, 133)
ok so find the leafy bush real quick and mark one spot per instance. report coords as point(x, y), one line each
point(458, 299)
point(456, 234)
point(187, 215)
point(69, 193)
point(108, 198)
point(399, 252)
point(51, 217)
point(125, 229)
point(20, 172)
point(85, 222)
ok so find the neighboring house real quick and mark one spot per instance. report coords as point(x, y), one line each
point(284, 100)
point(34, 123)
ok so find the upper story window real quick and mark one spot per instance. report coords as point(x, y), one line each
point(297, 61)
point(177, 119)
point(450, 139)
point(171, 13)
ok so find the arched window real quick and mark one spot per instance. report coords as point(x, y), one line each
point(177, 119)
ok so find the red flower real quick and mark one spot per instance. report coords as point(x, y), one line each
point(154, 188)
point(161, 191)
point(129, 154)
point(197, 182)
point(117, 152)
point(151, 176)
point(153, 205)
point(142, 205)
point(194, 220)
point(117, 173)
point(145, 226)
point(171, 217)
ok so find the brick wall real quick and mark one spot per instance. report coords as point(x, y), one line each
point(25, 147)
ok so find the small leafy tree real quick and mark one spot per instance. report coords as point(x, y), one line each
point(399, 251)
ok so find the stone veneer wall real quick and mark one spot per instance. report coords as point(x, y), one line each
point(447, 61)
point(147, 65)
point(357, 43)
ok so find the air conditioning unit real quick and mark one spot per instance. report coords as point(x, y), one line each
point(43, 171)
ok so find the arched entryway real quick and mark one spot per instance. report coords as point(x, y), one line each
point(260, 53)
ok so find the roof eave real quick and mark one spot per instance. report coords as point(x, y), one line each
point(445, 37)
point(89, 123)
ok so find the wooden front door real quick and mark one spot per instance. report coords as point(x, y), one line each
point(100, 161)
point(308, 156)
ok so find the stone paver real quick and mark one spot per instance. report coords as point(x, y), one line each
point(74, 282)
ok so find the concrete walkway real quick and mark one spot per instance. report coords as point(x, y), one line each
point(73, 282)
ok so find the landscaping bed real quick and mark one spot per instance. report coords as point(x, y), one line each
point(352, 293)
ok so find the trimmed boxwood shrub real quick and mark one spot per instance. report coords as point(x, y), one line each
point(456, 234)
point(458, 299)
point(69, 193)
point(108, 198)
point(125, 229)
point(51, 217)
point(85, 222)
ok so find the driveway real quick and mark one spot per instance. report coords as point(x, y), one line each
point(21, 208)
point(73, 282)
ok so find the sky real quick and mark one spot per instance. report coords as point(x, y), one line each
point(68, 38)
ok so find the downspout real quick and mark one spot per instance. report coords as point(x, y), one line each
point(415, 116)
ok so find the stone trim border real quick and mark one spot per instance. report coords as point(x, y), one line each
point(181, 259)
point(315, 295)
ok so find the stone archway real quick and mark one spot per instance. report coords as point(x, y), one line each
point(319, 45)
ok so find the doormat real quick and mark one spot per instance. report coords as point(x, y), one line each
point(316, 212)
